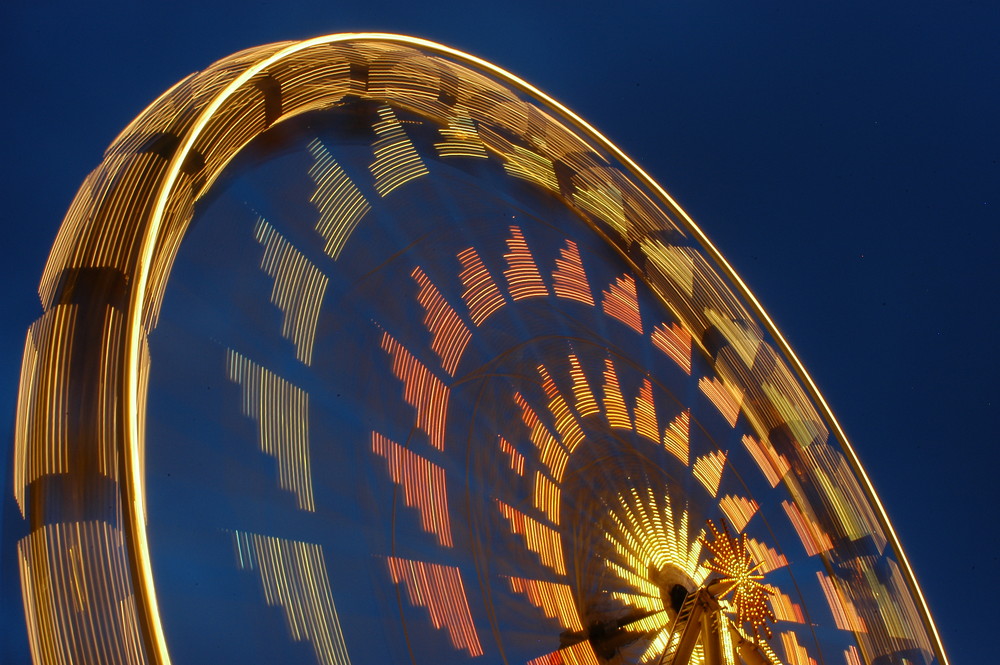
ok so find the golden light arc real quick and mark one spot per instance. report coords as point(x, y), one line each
point(169, 205)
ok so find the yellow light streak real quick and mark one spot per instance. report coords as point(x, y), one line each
point(676, 437)
point(461, 139)
point(396, 160)
point(614, 403)
point(282, 414)
point(293, 576)
point(708, 470)
point(298, 290)
point(340, 204)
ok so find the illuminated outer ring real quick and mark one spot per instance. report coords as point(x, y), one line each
point(169, 157)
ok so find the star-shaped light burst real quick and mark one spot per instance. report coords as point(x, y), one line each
point(732, 560)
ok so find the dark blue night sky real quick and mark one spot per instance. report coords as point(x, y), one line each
point(843, 158)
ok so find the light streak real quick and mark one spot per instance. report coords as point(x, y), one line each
point(298, 289)
point(449, 335)
point(551, 453)
point(439, 589)
point(569, 280)
point(738, 510)
point(621, 301)
point(585, 403)
point(708, 470)
point(282, 414)
point(426, 393)
point(676, 437)
point(396, 160)
point(78, 599)
point(578, 654)
point(795, 653)
point(480, 291)
point(554, 599)
point(340, 204)
point(461, 139)
point(569, 430)
point(773, 465)
point(675, 342)
point(423, 484)
point(522, 274)
point(812, 535)
point(547, 496)
point(645, 413)
point(541, 539)
point(726, 397)
point(614, 403)
point(516, 458)
point(293, 576)
point(845, 616)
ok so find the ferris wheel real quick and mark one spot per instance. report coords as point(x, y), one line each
point(362, 350)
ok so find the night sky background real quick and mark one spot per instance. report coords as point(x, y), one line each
point(842, 156)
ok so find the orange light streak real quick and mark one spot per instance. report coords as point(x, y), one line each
point(784, 608)
point(439, 589)
point(516, 458)
point(569, 280)
point(78, 601)
point(449, 335)
point(581, 653)
point(543, 540)
point(421, 389)
point(480, 291)
point(726, 397)
point(621, 302)
point(813, 538)
point(795, 654)
point(773, 465)
point(554, 599)
point(423, 484)
point(522, 273)
point(675, 342)
point(844, 614)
